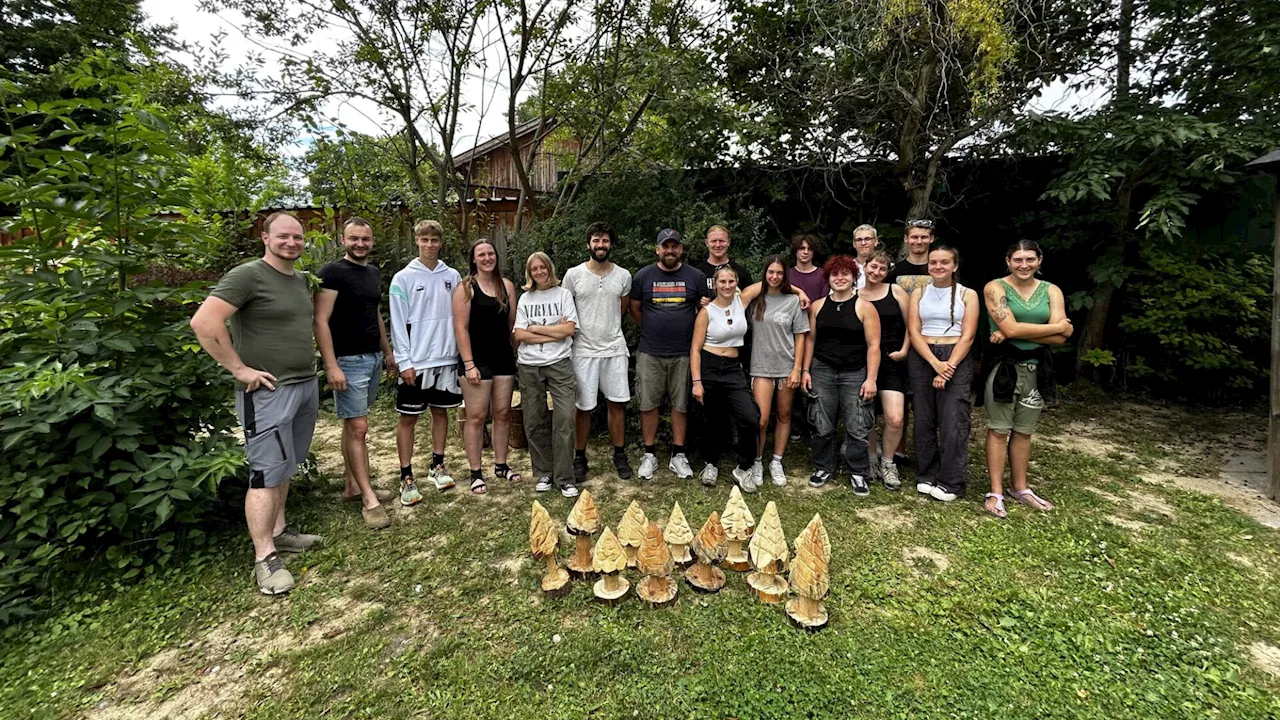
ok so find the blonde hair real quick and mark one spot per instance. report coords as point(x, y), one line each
point(864, 226)
point(431, 228)
point(721, 228)
point(552, 279)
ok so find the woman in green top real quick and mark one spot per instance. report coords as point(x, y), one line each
point(1027, 315)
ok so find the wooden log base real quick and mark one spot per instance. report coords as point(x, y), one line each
point(771, 589)
point(737, 566)
point(657, 591)
point(611, 588)
point(556, 579)
point(807, 614)
point(705, 578)
point(631, 551)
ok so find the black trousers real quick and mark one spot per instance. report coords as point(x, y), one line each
point(941, 421)
point(728, 405)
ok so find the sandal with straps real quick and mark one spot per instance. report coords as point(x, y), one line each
point(503, 471)
point(1030, 499)
point(478, 487)
point(998, 510)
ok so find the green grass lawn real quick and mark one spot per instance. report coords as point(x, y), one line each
point(1136, 601)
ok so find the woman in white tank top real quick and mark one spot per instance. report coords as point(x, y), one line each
point(942, 324)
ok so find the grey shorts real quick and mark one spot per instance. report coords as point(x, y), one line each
point(662, 377)
point(278, 425)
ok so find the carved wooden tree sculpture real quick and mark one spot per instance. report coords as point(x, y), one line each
point(543, 540)
point(610, 560)
point(584, 521)
point(810, 576)
point(709, 546)
point(678, 535)
point(654, 560)
point(631, 531)
point(769, 556)
point(738, 526)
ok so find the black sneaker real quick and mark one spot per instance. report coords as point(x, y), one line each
point(859, 485)
point(579, 469)
point(569, 490)
point(819, 478)
point(622, 466)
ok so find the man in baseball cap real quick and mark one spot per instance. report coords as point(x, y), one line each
point(664, 301)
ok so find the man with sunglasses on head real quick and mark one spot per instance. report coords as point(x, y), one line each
point(912, 269)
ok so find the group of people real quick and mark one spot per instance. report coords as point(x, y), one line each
point(858, 333)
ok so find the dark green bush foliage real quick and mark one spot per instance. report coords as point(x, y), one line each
point(116, 429)
point(1198, 328)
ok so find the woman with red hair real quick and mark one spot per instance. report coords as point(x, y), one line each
point(841, 361)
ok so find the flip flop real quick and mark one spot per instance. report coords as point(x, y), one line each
point(1030, 499)
point(478, 487)
point(998, 510)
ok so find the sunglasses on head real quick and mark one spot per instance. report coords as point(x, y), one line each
point(924, 224)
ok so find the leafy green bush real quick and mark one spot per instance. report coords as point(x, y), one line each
point(116, 430)
point(1200, 328)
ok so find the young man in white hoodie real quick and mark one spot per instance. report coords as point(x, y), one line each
point(427, 353)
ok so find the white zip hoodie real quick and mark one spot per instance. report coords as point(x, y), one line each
point(422, 315)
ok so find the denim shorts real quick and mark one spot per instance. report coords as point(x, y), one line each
point(363, 372)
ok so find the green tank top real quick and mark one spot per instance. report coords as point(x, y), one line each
point(1034, 311)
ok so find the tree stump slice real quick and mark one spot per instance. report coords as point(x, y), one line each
point(771, 589)
point(611, 589)
point(807, 614)
point(656, 591)
point(705, 578)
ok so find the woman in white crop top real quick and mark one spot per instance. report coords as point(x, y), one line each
point(942, 323)
point(719, 380)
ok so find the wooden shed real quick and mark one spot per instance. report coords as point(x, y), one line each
point(492, 186)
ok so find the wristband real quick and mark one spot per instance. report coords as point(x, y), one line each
point(697, 379)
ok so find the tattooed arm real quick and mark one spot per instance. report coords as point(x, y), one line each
point(998, 308)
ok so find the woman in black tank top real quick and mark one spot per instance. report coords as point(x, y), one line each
point(840, 367)
point(484, 311)
point(890, 301)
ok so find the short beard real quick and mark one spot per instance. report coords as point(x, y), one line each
point(669, 262)
point(595, 254)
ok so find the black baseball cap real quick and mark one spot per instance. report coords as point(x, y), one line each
point(669, 234)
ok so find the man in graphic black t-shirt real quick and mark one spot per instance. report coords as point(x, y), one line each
point(354, 349)
point(718, 257)
point(665, 301)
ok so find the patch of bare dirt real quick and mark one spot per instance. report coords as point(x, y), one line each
point(214, 674)
point(511, 565)
point(1242, 499)
point(1088, 438)
point(887, 517)
point(1127, 523)
point(925, 562)
point(1265, 657)
point(1136, 500)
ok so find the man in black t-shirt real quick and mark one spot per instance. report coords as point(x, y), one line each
point(354, 349)
point(912, 271)
point(718, 257)
point(664, 301)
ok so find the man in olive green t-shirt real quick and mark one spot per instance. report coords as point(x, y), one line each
point(270, 353)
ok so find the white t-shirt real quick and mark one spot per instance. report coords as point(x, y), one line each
point(545, 307)
point(598, 298)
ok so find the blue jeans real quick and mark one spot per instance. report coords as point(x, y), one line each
point(362, 373)
point(835, 396)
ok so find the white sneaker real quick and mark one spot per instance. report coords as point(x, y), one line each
point(544, 484)
point(746, 479)
point(924, 488)
point(757, 473)
point(889, 472)
point(939, 493)
point(680, 466)
point(709, 475)
point(648, 466)
point(778, 474)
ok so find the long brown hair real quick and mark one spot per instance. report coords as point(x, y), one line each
point(757, 305)
point(473, 273)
